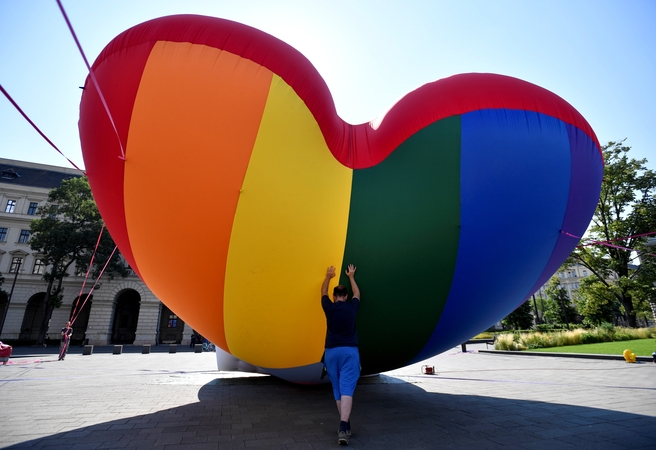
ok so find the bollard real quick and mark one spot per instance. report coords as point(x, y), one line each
point(88, 350)
point(118, 349)
point(198, 348)
point(173, 348)
point(145, 350)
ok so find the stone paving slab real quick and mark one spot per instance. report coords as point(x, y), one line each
point(180, 401)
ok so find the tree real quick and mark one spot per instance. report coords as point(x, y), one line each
point(595, 301)
point(520, 319)
point(65, 234)
point(626, 210)
point(558, 308)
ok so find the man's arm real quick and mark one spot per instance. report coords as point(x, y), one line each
point(350, 273)
point(330, 273)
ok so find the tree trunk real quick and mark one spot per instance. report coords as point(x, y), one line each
point(627, 302)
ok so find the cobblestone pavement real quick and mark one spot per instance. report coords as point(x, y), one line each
point(180, 401)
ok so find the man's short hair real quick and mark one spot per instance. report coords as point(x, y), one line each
point(340, 290)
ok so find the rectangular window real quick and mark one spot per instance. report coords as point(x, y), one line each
point(39, 267)
point(11, 206)
point(32, 209)
point(3, 234)
point(24, 237)
point(16, 262)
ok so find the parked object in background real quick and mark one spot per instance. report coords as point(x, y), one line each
point(5, 353)
point(629, 356)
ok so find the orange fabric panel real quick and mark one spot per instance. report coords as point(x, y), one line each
point(195, 120)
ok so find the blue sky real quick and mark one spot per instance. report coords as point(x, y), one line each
point(596, 54)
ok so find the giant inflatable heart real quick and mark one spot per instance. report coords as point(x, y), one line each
point(239, 185)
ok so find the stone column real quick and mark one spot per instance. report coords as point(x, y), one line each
point(148, 322)
point(186, 334)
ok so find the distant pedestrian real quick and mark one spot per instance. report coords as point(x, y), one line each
point(66, 334)
point(341, 357)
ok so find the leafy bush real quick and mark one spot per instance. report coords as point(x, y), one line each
point(589, 338)
point(485, 335)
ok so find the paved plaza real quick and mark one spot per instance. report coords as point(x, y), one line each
point(180, 401)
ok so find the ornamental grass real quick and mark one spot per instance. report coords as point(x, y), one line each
point(538, 339)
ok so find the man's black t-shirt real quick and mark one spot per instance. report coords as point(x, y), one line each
point(340, 319)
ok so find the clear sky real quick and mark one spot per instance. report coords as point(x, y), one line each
point(599, 55)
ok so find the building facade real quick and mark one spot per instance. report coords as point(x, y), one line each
point(119, 311)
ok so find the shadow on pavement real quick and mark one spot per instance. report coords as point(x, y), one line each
point(266, 412)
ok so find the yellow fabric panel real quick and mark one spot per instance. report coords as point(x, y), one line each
point(193, 127)
point(290, 225)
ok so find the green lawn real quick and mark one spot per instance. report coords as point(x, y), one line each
point(641, 347)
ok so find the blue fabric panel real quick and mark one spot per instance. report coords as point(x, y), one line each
point(515, 170)
point(585, 186)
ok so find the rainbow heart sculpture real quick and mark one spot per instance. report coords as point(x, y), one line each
point(239, 185)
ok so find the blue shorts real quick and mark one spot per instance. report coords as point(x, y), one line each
point(343, 367)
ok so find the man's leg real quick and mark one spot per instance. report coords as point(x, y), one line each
point(345, 407)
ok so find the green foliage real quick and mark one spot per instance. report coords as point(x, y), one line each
point(485, 335)
point(558, 308)
point(66, 233)
point(626, 209)
point(520, 319)
point(595, 301)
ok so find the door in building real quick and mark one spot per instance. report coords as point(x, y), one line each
point(126, 317)
point(32, 318)
point(170, 327)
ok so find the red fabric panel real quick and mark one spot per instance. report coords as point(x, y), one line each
point(247, 42)
point(458, 94)
point(118, 75)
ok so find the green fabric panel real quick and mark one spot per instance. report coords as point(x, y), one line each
point(403, 237)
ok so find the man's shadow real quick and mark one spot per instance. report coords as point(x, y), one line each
point(266, 412)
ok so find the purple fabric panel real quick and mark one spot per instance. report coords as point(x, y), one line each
point(585, 186)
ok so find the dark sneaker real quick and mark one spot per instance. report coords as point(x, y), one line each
point(342, 438)
point(348, 431)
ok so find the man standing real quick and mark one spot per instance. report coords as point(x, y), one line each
point(341, 357)
point(66, 334)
